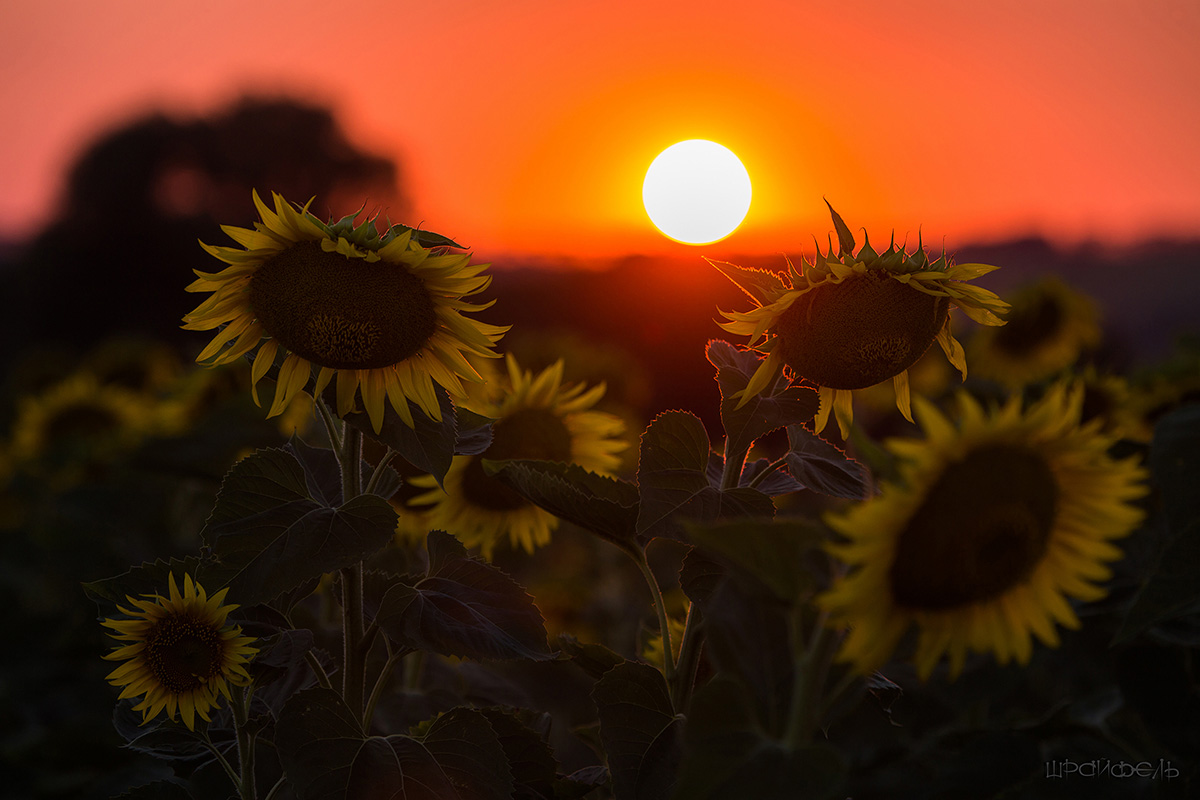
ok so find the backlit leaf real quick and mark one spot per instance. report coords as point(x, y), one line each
point(777, 406)
point(641, 733)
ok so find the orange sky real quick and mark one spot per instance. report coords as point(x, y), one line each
point(527, 126)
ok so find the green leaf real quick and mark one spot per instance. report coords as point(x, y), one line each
point(160, 737)
point(429, 445)
point(699, 576)
point(845, 238)
point(773, 552)
point(470, 754)
point(271, 534)
point(159, 790)
point(825, 468)
point(326, 756)
point(673, 480)
point(777, 406)
point(594, 659)
point(749, 640)
point(727, 757)
point(150, 578)
point(762, 286)
point(641, 733)
point(1174, 463)
point(530, 760)
point(464, 607)
point(607, 507)
point(318, 738)
point(1173, 588)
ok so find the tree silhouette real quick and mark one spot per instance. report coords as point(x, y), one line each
point(124, 245)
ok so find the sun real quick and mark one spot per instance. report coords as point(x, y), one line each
point(696, 192)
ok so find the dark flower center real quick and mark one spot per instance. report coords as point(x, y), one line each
point(532, 433)
point(981, 529)
point(183, 653)
point(857, 333)
point(1030, 325)
point(81, 421)
point(342, 312)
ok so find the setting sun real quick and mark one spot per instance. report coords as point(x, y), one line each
point(696, 192)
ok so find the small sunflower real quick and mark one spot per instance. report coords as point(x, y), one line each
point(382, 312)
point(180, 653)
point(1049, 326)
point(856, 320)
point(540, 418)
point(81, 422)
point(996, 524)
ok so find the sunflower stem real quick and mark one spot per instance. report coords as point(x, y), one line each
point(660, 606)
point(380, 683)
point(380, 471)
point(276, 789)
point(224, 762)
point(811, 665)
point(318, 670)
point(731, 475)
point(331, 427)
point(245, 745)
point(689, 658)
point(353, 660)
point(760, 477)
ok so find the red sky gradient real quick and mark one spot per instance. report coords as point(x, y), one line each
point(527, 126)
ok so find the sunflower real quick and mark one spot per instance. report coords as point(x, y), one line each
point(994, 526)
point(1049, 326)
point(383, 313)
point(81, 422)
point(856, 320)
point(538, 417)
point(180, 653)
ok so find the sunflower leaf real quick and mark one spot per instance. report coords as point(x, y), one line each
point(530, 759)
point(326, 755)
point(673, 481)
point(158, 790)
point(1173, 588)
point(727, 755)
point(772, 552)
point(429, 445)
point(761, 286)
point(605, 506)
point(776, 407)
point(825, 468)
point(641, 733)
point(270, 534)
point(151, 578)
point(464, 607)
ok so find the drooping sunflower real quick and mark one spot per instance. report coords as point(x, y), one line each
point(180, 653)
point(994, 526)
point(382, 312)
point(537, 417)
point(854, 320)
point(1049, 325)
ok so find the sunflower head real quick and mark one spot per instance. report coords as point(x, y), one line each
point(380, 309)
point(1048, 326)
point(994, 525)
point(849, 320)
point(536, 417)
point(179, 653)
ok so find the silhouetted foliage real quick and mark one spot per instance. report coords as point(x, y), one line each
point(137, 200)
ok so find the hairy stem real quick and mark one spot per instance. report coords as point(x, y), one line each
point(380, 471)
point(352, 582)
point(689, 659)
point(245, 744)
point(811, 665)
point(331, 426)
point(661, 607)
point(731, 475)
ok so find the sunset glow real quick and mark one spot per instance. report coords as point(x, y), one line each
point(994, 122)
